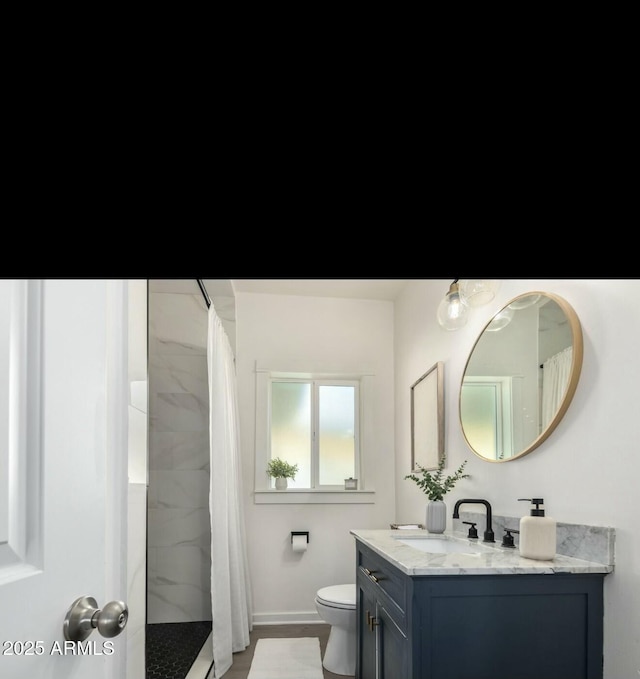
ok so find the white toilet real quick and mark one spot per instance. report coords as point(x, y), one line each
point(336, 605)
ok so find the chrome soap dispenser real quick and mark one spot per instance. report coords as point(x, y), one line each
point(537, 533)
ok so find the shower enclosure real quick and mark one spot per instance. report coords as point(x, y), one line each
point(178, 521)
point(178, 526)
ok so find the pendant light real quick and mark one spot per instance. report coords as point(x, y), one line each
point(453, 311)
point(501, 319)
point(477, 292)
point(526, 301)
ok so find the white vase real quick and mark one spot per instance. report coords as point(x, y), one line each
point(436, 516)
point(281, 483)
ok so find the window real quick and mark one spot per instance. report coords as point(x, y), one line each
point(314, 424)
point(320, 420)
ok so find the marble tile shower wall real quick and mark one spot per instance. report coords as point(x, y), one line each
point(179, 529)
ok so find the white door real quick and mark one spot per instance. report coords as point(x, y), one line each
point(63, 447)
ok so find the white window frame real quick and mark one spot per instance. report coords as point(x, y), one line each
point(263, 493)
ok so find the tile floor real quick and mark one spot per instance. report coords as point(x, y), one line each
point(172, 647)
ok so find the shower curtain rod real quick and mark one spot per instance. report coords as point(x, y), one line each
point(203, 290)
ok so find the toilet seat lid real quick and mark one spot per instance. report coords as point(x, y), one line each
point(338, 596)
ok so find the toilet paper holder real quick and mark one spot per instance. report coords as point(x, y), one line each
point(300, 532)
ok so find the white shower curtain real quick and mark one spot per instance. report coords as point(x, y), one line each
point(555, 378)
point(230, 586)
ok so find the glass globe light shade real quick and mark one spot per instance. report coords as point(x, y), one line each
point(453, 311)
point(524, 302)
point(501, 319)
point(477, 292)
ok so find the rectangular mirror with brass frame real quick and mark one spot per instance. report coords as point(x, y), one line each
point(427, 418)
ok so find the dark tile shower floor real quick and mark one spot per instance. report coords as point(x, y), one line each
point(171, 648)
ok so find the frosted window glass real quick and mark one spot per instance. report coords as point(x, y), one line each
point(291, 428)
point(336, 434)
point(479, 412)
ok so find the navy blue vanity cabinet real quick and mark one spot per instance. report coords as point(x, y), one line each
point(520, 626)
point(382, 642)
point(366, 659)
point(393, 645)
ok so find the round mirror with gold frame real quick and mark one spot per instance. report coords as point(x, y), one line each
point(520, 376)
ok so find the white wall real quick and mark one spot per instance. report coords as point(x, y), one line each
point(280, 328)
point(588, 471)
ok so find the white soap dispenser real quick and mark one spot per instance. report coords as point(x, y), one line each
point(537, 533)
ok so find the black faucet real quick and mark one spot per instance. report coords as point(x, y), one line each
point(488, 534)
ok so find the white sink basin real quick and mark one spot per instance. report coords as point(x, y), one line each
point(443, 545)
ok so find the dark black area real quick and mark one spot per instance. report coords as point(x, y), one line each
point(172, 647)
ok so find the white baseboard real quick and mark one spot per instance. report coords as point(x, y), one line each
point(293, 618)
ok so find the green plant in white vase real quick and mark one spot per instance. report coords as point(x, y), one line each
point(281, 471)
point(435, 487)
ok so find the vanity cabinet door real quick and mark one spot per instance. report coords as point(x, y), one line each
point(509, 626)
point(366, 635)
point(383, 647)
point(393, 647)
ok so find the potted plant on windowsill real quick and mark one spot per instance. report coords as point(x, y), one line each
point(435, 488)
point(281, 471)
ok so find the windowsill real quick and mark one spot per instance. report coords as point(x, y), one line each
point(301, 496)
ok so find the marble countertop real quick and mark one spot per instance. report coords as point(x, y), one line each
point(493, 559)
